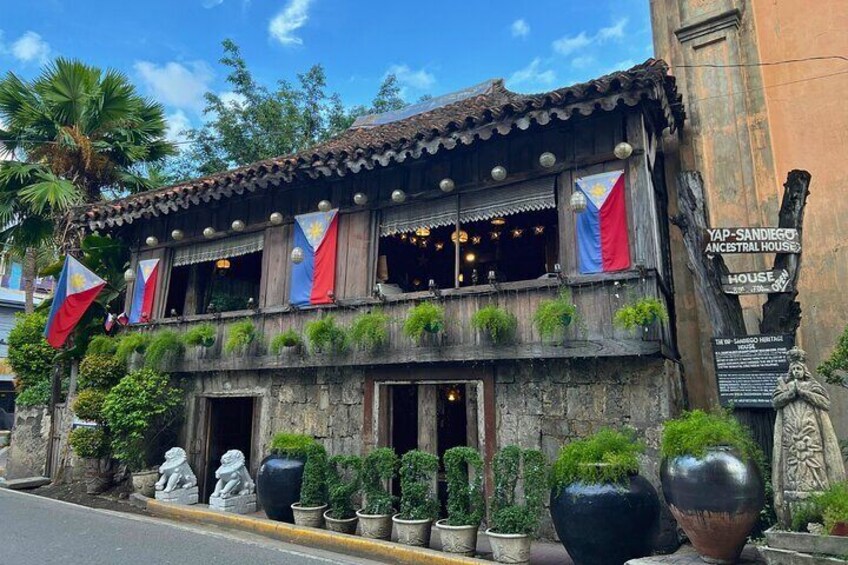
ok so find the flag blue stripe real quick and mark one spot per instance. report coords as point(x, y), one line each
point(589, 240)
point(302, 273)
point(58, 297)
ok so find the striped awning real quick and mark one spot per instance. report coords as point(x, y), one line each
point(219, 249)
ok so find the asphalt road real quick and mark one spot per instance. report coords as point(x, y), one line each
point(41, 531)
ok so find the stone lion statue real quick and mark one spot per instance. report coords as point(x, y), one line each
point(176, 472)
point(232, 475)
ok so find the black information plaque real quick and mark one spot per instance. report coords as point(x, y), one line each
point(747, 368)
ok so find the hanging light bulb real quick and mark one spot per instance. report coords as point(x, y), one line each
point(476, 239)
point(360, 199)
point(222, 264)
point(470, 257)
point(578, 202)
point(447, 185)
point(276, 218)
point(517, 232)
point(539, 230)
point(209, 232)
point(495, 235)
point(499, 173)
point(398, 196)
point(297, 256)
point(177, 235)
point(325, 206)
point(547, 159)
point(151, 240)
point(422, 232)
point(238, 225)
point(454, 394)
point(439, 246)
point(623, 150)
point(499, 221)
point(129, 275)
point(462, 235)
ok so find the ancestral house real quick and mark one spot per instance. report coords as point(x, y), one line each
point(480, 197)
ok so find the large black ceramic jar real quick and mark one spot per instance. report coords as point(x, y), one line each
point(278, 486)
point(606, 524)
point(716, 499)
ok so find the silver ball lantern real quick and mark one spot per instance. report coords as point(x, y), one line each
point(209, 232)
point(578, 202)
point(623, 150)
point(129, 275)
point(547, 159)
point(447, 185)
point(238, 225)
point(276, 218)
point(398, 196)
point(499, 173)
point(151, 240)
point(177, 235)
point(325, 206)
point(297, 255)
point(360, 199)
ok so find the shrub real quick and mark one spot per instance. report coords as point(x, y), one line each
point(313, 489)
point(288, 338)
point(378, 467)
point(497, 322)
point(89, 442)
point(36, 394)
point(417, 470)
point(100, 370)
point(133, 342)
point(828, 508)
point(203, 335)
point(88, 405)
point(136, 410)
point(369, 331)
point(165, 348)
point(424, 317)
point(695, 432)
point(295, 446)
point(30, 356)
point(325, 336)
point(641, 313)
point(834, 367)
point(466, 503)
point(609, 456)
point(102, 345)
point(343, 481)
point(511, 464)
point(555, 315)
point(240, 336)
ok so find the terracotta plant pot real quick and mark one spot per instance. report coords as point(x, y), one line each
point(346, 526)
point(840, 529)
point(144, 482)
point(375, 526)
point(98, 475)
point(278, 484)
point(309, 516)
point(605, 524)
point(510, 548)
point(716, 499)
point(413, 532)
point(458, 539)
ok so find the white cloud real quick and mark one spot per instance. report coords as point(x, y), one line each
point(178, 122)
point(211, 3)
point(30, 47)
point(615, 31)
point(409, 79)
point(231, 97)
point(582, 61)
point(520, 28)
point(290, 19)
point(567, 45)
point(175, 84)
point(532, 75)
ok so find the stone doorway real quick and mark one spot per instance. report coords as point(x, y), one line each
point(230, 426)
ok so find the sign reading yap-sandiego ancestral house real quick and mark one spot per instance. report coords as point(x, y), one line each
point(747, 368)
point(752, 240)
point(756, 282)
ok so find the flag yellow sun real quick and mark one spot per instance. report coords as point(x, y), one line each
point(77, 281)
point(316, 229)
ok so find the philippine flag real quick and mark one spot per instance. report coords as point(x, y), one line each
point(144, 291)
point(603, 244)
point(314, 278)
point(76, 290)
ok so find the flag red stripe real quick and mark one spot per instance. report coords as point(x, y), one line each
point(615, 241)
point(149, 294)
point(324, 270)
point(69, 314)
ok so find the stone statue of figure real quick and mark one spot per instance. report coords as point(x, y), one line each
point(176, 472)
point(807, 458)
point(232, 475)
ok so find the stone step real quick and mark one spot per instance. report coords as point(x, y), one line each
point(26, 483)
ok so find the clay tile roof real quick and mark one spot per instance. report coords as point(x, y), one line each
point(477, 117)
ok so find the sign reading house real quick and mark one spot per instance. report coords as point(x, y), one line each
point(747, 368)
point(757, 282)
point(752, 240)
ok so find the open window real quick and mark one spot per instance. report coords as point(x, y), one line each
point(504, 234)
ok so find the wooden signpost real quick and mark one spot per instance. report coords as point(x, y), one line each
point(757, 282)
point(752, 240)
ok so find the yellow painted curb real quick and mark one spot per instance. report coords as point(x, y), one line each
point(310, 537)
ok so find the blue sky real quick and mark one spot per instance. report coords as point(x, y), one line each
point(170, 48)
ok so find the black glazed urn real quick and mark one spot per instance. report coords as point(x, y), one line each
point(606, 524)
point(278, 486)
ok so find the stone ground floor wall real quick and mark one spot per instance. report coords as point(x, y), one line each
point(27, 455)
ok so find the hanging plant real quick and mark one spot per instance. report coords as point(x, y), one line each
point(369, 331)
point(240, 336)
point(289, 339)
point(641, 313)
point(424, 317)
point(165, 348)
point(133, 342)
point(555, 315)
point(325, 336)
point(200, 336)
point(495, 322)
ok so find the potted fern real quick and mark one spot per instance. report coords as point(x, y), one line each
point(555, 315)
point(512, 523)
point(375, 517)
point(240, 337)
point(343, 481)
point(288, 342)
point(495, 324)
point(466, 503)
point(640, 314)
point(309, 510)
point(325, 336)
point(418, 506)
point(425, 322)
point(280, 476)
point(369, 331)
point(200, 338)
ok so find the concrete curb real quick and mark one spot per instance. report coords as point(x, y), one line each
point(311, 537)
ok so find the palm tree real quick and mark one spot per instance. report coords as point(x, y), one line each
point(80, 134)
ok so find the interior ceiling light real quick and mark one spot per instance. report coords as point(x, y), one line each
point(422, 232)
point(498, 221)
point(222, 264)
point(462, 234)
point(454, 394)
point(539, 230)
point(517, 232)
point(470, 257)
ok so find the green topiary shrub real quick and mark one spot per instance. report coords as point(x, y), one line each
point(164, 349)
point(313, 489)
point(695, 432)
point(88, 405)
point(200, 336)
point(291, 445)
point(37, 394)
point(511, 464)
point(343, 481)
point(496, 322)
point(325, 336)
point(133, 342)
point(30, 356)
point(609, 456)
point(100, 370)
point(369, 331)
point(555, 315)
point(240, 336)
point(286, 340)
point(136, 410)
point(424, 317)
point(417, 470)
point(640, 314)
point(102, 345)
point(466, 502)
point(89, 442)
point(378, 467)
